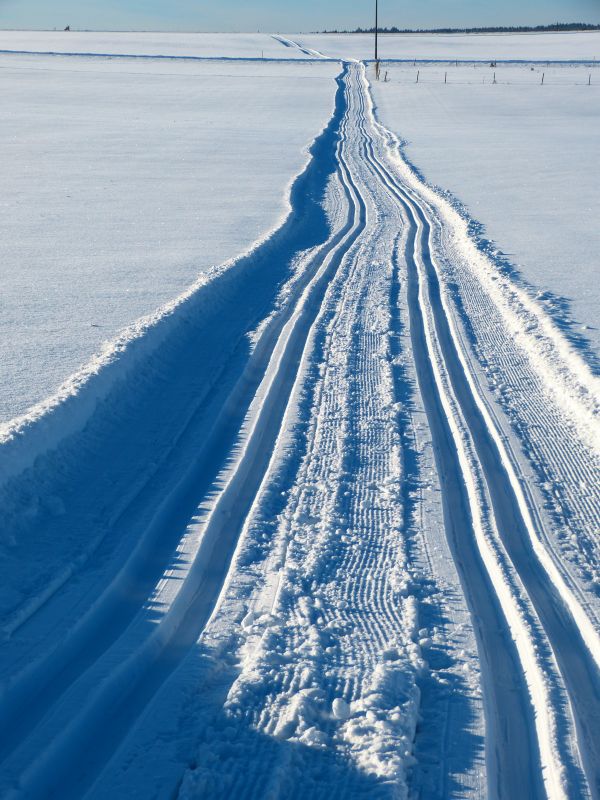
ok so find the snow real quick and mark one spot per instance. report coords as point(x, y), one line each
point(173, 45)
point(448, 47)
point(202, 578)
point(520, 157)
point(122, 182)
point(340, 709)
point(323, 524)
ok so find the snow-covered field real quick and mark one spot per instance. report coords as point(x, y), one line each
point(448, 47)
point(171, 45)
point(522, 158)
point(326, 524)
point(122, 182)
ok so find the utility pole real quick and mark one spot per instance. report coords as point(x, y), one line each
point(376, 30)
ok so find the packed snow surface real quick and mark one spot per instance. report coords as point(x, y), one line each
point(122, 181)
point(466, 47)
point(325, 524)
point(188, 45)
point(521, 157)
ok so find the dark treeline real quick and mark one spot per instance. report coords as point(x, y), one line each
point(558, 26)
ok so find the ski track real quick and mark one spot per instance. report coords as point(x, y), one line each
point(283, 520)
point(305, 50)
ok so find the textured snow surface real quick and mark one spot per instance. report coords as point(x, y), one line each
point(324, 525)
point(198, 45)
point(219, 585)
point(485, 47)
point(522, 158)
point(122, 181)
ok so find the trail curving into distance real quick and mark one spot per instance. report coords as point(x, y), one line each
point(293, 457)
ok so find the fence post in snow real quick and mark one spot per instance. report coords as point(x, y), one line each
point(590, 80)
point(494, 81)
point(445, 77)
point(418, 75)
point(543, 73)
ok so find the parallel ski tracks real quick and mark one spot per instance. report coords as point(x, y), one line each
point(123, 693)
point(537, 647)
point(575, 648)
point(344, 525)
point(508, 706)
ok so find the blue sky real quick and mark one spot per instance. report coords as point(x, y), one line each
point(286, 15)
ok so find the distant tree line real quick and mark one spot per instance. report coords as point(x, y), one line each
point(558, 26)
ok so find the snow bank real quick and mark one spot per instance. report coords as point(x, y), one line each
point(95, 444)
point(115, 214)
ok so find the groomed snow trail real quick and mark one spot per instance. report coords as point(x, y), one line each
point(268, 607)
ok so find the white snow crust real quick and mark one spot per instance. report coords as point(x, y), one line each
point(583, 46)
point(122, 181)
point(186, 45)
point(520, 158)
point(324, 525)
